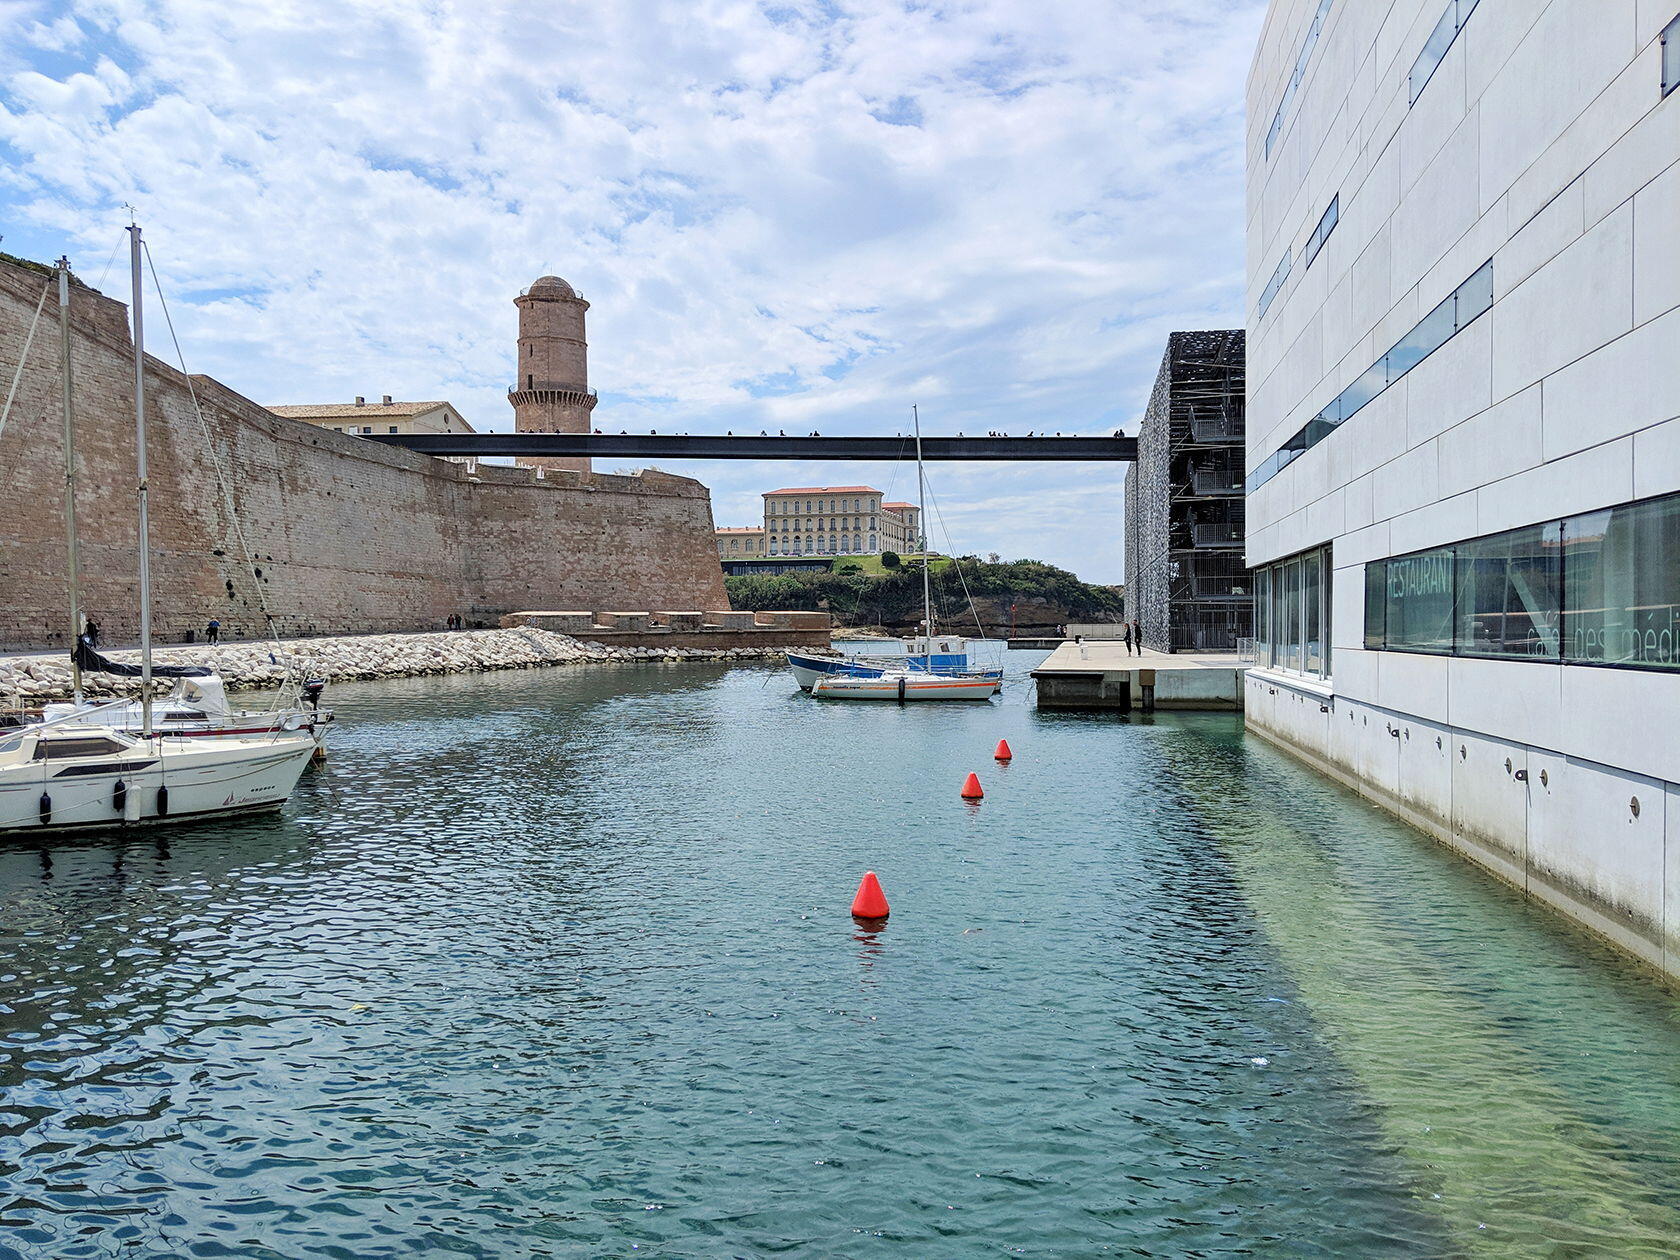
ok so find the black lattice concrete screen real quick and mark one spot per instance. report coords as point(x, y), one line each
point(1185, 580)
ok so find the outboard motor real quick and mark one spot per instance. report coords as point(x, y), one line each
point(312, 689)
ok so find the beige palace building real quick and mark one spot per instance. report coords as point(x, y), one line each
point(740, 543)
point(836, 521)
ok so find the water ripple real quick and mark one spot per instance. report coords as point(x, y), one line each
point(556, 963)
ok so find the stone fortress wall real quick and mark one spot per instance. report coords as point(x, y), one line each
point(349, 536)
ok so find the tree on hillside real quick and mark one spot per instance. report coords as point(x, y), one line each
point(889, 560)
point(895, 597)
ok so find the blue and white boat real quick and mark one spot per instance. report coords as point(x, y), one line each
point(933, 666)
point(943, 655)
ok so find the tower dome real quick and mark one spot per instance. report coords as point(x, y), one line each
point(551, 286)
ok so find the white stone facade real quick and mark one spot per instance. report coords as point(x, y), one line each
point(1535, 134)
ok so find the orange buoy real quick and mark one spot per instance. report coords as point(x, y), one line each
point(1003, 753)
point(870, 902)
point(971, 788)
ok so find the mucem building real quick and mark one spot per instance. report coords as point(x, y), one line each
point(1186, 584)
point(1463, 452)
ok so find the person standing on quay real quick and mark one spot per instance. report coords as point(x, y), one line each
point(90, 630)
point(1137, 637)
point(1126, 635)
point(213, 631)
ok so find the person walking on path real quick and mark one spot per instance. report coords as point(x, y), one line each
point(1126, 636)
point(90, 631)
point(1137, 637)
point(213, 631)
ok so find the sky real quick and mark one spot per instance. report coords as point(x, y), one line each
point(799, 216)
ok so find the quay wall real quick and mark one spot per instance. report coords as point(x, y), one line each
point(1599, 843)
point(348, 536)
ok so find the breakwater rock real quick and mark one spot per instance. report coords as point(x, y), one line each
point(250, 665)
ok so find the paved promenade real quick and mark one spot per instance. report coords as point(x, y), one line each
point(1102, 674)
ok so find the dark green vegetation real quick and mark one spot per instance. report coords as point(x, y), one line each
point(1041, 593)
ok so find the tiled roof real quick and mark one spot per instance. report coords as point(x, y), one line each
point(825, 490)
point(912, 506)
point(739, 529)
point(333, 411)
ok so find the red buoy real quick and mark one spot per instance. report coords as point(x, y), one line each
point(971, 788)
point(870, 902)
point(1003, 753)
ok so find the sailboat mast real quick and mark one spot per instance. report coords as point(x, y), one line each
point(70, 475)
point(145, 523)
point(921, 530)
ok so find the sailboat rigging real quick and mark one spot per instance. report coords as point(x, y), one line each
point(922, 674)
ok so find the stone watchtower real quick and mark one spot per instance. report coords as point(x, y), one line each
point(551, 393)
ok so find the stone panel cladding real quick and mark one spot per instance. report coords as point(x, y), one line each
point(348, 536)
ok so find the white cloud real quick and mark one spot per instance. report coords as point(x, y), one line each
point(805, 215)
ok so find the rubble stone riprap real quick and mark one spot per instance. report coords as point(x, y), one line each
point(248, 665)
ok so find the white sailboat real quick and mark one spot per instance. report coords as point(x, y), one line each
point(76, 771)
point(923, 679)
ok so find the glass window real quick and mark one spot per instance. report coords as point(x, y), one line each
point(1376, 604)
point(1509, 592)
point(1326, 225)
point(1273, 285)
point(1262, 615)
point(1311, 593)
point(84, 746)
point(1671, 56)
point(1434, 49)
point(1433, 331)
point(1365, 389)
point(1475, 295)
point(1623, 572)
point(1470, 300)
point(1419, 615)
point(1291, 610)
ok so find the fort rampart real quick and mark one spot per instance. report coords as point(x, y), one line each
point(347, 536)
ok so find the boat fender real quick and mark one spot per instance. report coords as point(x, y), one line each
point(119, 796)
point(46, 808)
point(163, 802)
point(901, 681)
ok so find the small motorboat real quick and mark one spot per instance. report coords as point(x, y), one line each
point(906, 685)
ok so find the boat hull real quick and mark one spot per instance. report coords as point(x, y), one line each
point(808, 670)
point(204, 778)
point(905, 688)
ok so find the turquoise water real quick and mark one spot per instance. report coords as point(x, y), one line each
point(557, 963)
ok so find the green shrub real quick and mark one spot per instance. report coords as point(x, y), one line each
point(889, 560)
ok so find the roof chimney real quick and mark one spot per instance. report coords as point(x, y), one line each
point(360, 401)
point(387, 400)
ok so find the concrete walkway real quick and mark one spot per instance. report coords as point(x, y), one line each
point(1108, 654)
point(1102, 674)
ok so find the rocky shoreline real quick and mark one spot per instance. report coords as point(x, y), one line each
point(255, 665)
